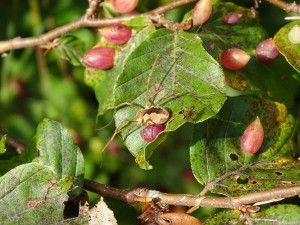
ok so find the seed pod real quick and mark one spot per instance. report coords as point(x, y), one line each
point(150, 132)
point(253, 137)
point(201, 12)
point(124, 6)
point(99, 58)
point(234, 59)
point(266, 50)
point(117, 34)
point(294, 35)
point(231, 18)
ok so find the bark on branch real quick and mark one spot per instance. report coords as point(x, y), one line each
point(145, 196)
point(85, 21)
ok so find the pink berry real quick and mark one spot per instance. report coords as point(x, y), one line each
point(231, 18)
point(234, 59)
point(124, 6)
point(266, 50)
point(150, 132)
point(201, 12)
point(117, 34)
point(253, 137)
point(99, 58)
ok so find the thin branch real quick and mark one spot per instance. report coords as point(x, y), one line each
point(171, 6)
point(93, 9)
point(144, 195)
point(19, 146)
point(18, 42)
point(288, 7)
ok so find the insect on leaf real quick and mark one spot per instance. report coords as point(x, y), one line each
point(184, 79)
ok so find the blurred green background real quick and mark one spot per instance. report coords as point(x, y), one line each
point(34, 85)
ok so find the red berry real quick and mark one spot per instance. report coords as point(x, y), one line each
point(99, 58)
point(150, 132)
point(124, 6)
point(266, 50)
point(201, 12)
point(231, 18)
point(252, 137)
point(117, 34)
point(234, 59)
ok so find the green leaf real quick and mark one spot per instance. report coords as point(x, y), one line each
point(71, 48)
point(2, 144)
point(289, 50)
point(274, 80)
point(103, 81)
point(279, 214)
point(218, 36)
point(225, 217)
point(58, 150)
point(219, 163)
point(138, 23)
point(29, 192)
point(192, 84)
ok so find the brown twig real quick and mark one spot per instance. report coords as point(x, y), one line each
point(19, 146)
point(18, 42)
point(92, 10)
point(144, 195)
point(288, 7)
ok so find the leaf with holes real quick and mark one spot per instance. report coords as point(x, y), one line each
point(183, 78)
point(219, 163)
point(285, 45)
point(31, 191)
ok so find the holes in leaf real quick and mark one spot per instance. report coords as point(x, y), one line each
point(278, 173)
point(242, 181)
point(71, 209)
point(234, 157)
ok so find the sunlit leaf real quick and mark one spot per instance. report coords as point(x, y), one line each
point(58, 150)
point(190, 81)
point(290, 50)
point(219, 163)
point(103, 81)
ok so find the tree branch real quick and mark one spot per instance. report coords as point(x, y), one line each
point(92, 10)
point(85, 21)
point(288, 7)
point(19, 146)
point(144, 195)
